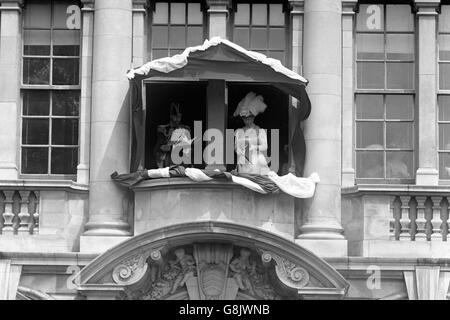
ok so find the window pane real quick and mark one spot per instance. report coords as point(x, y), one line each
point(160, 37)
point(369, 106)
point(259, 14)
point(34, 160)
point(444, 76)
point(242, 15)
point(162, 53)
point(64, 160)
point(177, 37)
point(444, 165)
point(65, 131)
point(66, 43)
point(444, 108)
point(35, 131)
point(370, 75)
point(276, 39)
point(258, 39)
point(399, 135)
point(399, 18)
point(241, 36)
point(194, 36)
point(60, 15)
point(369, 164)
point(173, 52)
point(178, 13)
point(400, 75)
point(444, 19)
point(444, 136)
point(370, 18)
point(65, 71)
point(37, 14)
point(36, 103)
point(36, 42)
point(66, 103)
point(400, 46)
point(399, 107)
point(370, 46)
point(279, 55)
point(195, 15)
point(399, 165)
point(36, 71)
point(444, 46)
point(276, 15)
point(161, 14)
point(369, 135)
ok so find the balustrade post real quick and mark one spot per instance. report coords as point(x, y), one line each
point(8, 214)
point(444, 217)
point(24, 215)
point(436, 221)
point(405, 221)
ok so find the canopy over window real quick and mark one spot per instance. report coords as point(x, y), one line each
point(219, 59)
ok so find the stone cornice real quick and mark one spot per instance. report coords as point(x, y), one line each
point(43, 185)
point(140, 6)
point(349, 7)
point(87, 5)
point(11, 5)
point(218, 6)
point(296, 6)
point(426, 7)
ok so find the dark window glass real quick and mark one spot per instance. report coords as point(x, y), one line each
point(65, 132)
point(36, 103)
point(35, 131)
point(66, 71)
point(36, 71)
point(35, 160)
point(66, 103)
point(64, 160)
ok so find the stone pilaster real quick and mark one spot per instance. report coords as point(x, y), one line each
point(10, 60)
point(348, 166)
point(427, 283)
point(218, 16)
point(139, 33)
point(87, 30)
point(321, 231)
point(427, 172)
point(110, 117)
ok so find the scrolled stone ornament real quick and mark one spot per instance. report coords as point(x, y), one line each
point(288, 272)
point(130, 271)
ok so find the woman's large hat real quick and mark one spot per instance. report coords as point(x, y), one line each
point(250, 105)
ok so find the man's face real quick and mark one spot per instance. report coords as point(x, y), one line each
point(175, 118)
point(248, 120)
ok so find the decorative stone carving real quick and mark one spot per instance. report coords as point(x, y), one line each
point(131, 270)
point(288, 272)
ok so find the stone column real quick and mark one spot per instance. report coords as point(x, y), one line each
point(348, 166)
point(10, 78)
point(110, 122)
point(322, 65)
point(218, 16)
point(87, 30)
point(427, 172)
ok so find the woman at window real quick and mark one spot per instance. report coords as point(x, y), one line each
point(251, 140)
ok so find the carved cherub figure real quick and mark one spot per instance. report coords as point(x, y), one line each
point(186, 264)
point(242, 269)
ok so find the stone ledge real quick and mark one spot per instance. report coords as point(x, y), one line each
point(40, 184)
point(394, 189)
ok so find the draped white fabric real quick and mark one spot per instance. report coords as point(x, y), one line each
point(296, 186)
point(178, 61)
point(9, 279)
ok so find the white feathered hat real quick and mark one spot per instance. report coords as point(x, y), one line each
point(250, 105)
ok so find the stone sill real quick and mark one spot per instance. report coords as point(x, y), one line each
point(185, 183)
point(395, 189)
point(41, 184)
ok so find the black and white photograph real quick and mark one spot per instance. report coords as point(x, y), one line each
point(245, 152)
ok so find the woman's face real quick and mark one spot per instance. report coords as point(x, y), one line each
point(248, 120)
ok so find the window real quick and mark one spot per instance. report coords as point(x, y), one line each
point(176, 26)
point(444, 90)
point(384, 99)
point(261, 27)
point(50, 87)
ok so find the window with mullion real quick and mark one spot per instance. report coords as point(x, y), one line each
point(261, 27)
point(176, 26)
point(384, 98)
point(50, 87)
point(444, 92)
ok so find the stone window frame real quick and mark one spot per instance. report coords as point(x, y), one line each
point(385, 92)
point(442, 92)
point(50, 88)
point(150, 24)
point(287, 26)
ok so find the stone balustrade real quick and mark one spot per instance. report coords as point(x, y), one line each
point(19, 212)
point(420, 217)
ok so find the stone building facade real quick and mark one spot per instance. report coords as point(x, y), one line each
point(378, 136)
